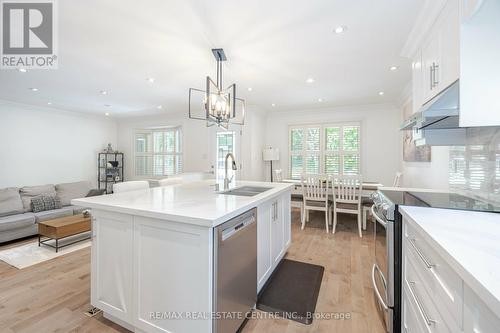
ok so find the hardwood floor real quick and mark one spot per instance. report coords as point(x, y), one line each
point(52, 296)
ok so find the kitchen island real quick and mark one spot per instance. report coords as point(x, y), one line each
point(152, 262)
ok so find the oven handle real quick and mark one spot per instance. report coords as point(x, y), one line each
point(384, 223)
point(382, 302)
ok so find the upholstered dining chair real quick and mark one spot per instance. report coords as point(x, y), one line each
point(130, 186)
point(347, 198)
point(315, 194)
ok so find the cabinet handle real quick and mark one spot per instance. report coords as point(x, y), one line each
point(431, 79)
point(427, 319)
point(420, 254)
point(436, 69)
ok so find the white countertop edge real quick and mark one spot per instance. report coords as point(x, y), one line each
point(200, 221)
point(482, 291)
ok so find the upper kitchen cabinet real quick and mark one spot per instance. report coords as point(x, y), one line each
point(480, 64)
point(434, 47)
point(441, 52)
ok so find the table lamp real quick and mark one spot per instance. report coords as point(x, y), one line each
point(271, 154)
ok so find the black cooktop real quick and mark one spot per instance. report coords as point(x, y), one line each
point(439, 200)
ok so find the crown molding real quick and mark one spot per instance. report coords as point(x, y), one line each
point(425, 20)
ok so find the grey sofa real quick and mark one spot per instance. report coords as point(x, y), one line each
point(17, 219)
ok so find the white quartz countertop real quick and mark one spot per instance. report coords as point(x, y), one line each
point(194, 202)
point(470, 242)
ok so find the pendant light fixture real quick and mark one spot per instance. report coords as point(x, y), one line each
point(220, 106)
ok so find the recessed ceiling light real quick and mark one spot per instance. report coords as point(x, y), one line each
point(150, 79)
point(320, 100)
point(49, 103)
point(34, 89)
point(250, 89)
point(381, 93)
point(159, 107)
point(106, 114)
point(340, 29)
point(103, 92)
point(393, 68)
point(310, 80)
point(273, 105)
point(22, 70)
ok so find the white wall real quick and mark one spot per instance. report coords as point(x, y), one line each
point(433, 174)
point(42, 145)
point(380, 150)
point(199, 142)
point(428, 175)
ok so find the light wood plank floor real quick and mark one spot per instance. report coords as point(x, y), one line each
point(52, 296)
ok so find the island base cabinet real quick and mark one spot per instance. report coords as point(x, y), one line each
point(273, 235)
point(111, 271)
point(168, 284)
point(151, 275)
point(264, 262)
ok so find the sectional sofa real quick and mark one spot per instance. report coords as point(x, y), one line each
point(17, 219)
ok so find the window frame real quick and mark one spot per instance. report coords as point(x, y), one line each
point(234, 138)
point(176, 153)
point(323, 151)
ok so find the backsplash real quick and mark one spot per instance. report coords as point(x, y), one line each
point(475, 167)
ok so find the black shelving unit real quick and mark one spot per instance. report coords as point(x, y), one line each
point(109, 175)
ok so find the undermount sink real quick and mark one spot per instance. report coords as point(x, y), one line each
point(247, 191)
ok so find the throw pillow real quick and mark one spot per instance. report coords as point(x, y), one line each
point(42, 203)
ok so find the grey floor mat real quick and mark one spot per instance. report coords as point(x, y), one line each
point(292, 291)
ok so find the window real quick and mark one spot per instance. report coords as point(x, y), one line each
point(158, 152)
point(225, 144)
point(331, 149)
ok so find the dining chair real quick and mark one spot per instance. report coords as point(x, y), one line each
point(347, 198)
point(278, 175)
point(315, 194)
point(130, 186)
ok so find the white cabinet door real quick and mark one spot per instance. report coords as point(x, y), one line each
point(430, 65)
point(277, 230)
point(417, 81)
point(172, 270)
point(112, 265)
point(450, 45)
point(441, 53)
point(287, 218)
point(264, 261)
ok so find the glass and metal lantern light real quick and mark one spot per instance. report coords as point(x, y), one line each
point(220, 106)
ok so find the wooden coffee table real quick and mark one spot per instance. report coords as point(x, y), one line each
point(63, 227)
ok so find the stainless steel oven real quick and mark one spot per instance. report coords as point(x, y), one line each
point(383, 268)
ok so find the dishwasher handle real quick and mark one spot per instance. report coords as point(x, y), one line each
point(232, 231)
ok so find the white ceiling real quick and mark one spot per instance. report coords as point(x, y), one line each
point(272, 46)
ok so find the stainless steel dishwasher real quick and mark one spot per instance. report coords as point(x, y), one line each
point(235, 271)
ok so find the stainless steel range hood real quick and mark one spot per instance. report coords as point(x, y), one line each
point(441, 112)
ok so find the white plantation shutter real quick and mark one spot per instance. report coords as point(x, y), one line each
point(158, 152)
point(350, 147)
point(331, 149)
point(296, 152)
